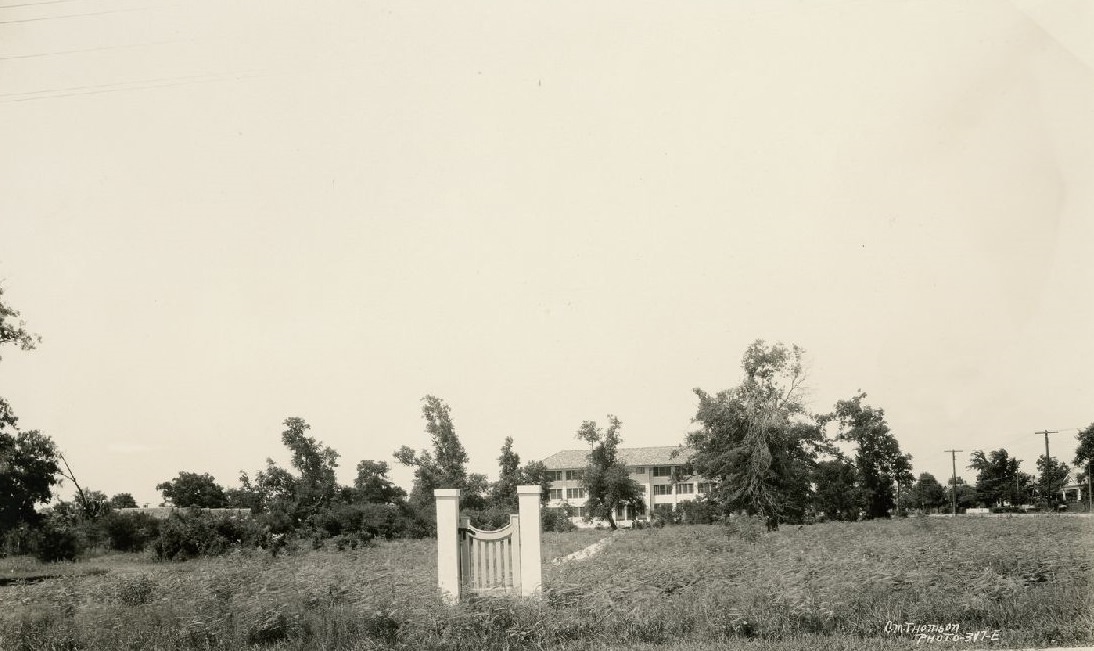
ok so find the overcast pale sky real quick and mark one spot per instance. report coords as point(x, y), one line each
point(221, 214)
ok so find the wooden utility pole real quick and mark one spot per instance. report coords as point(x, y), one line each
point(1046, 433)
point(953, 491)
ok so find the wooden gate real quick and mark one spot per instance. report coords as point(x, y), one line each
point(473, 561)
point(490, 560)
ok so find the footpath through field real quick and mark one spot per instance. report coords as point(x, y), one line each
point(582, 554)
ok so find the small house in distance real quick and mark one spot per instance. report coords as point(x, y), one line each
point(663, 472)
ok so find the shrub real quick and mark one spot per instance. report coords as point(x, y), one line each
point(130, 532)
point(189, 534)
point(557, 520)
point(58, 541)
point(698, 512)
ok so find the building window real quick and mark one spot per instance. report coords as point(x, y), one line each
point(575, 474)
point(638, 470)
point(685, 489)
point(705, 487)
point(664, 509)
point(554, 475)
point(555, 493)
point(575, 493)
point(662, 489)
point(582, 511)
point(662, 471)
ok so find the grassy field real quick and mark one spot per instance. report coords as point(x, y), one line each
point(1028, 581)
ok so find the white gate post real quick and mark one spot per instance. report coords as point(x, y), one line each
point(531, 563)
point(448, 543)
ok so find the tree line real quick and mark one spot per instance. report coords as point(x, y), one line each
point(768, 456)
point(765, 453)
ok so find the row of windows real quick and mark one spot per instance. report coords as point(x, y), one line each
point(568, 475)
point(658, 471)
point(568, 493)
point(658, 489)
point(683, 489)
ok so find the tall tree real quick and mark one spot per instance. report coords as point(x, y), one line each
point(881, 465)
point(445, 466)
point(996, 477)
point(535, 472)
point(372, 484)
point(28, 472)
point(607, 482)
point(503, 493)
point(192, 489)
point(1084, 454)
point(966, 495)
point(316, 464)
point(836, 493)
point(927, 493)
point(1052, 476)
point(29, 465)
point(757, 440)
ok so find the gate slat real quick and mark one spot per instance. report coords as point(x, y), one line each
point(506, 580)
point(490, 560)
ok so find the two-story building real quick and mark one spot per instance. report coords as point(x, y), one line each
point(663, 473)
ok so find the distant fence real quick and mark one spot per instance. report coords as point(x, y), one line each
point(474, 561)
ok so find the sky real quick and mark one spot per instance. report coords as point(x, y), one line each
point(218, 215)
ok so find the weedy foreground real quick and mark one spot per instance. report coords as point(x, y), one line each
point(972, 582)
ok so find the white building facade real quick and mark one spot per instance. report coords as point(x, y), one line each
point(663, 473)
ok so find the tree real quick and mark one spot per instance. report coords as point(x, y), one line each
point(757, 441)
point(503, 493)
point(1084, 454)
point(445, 466)
point(836, 489)
point(316, 463)
point(966, 495)
point(28, 471)
point(1051, 477)
point(372, 484)
point(927, 493)
point(535, 472)
point(881, 465)
point(247, 496)
point(606, 480)
point(28, 459)
point(273, 486)
point(123, 501)
point(996, 477)
point(192, 489)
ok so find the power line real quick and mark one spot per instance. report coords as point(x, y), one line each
point(166, 82)
point(93, 13)
point(90, 49)
point(35, 4)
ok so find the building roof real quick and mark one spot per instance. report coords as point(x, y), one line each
point(662, 455)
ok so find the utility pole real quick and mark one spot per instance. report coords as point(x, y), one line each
point(953, 491)
point(1046, 433)
point(1089, 495)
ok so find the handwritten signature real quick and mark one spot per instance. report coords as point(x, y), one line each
point(950, 632)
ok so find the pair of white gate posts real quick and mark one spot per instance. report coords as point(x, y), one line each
point(506, 561)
